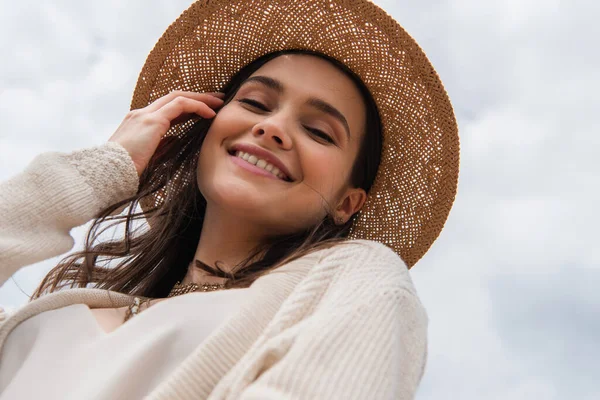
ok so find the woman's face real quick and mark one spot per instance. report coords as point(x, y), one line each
point(301, 114)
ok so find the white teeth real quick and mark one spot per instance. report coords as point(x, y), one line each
point(252, 159)
point(261, 163)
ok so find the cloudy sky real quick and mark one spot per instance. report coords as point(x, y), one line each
point(511, 284)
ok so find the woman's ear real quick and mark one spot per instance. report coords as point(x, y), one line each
point(352, 202)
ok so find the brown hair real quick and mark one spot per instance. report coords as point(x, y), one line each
point(150, 262)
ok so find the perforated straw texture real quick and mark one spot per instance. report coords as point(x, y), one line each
point(417, 180)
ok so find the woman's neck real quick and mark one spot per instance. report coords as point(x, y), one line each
point(224, 238)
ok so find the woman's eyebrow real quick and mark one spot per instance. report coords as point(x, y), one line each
point(268, 82)
point(314, 102)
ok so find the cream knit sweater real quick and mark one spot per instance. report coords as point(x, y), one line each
point(341, 323)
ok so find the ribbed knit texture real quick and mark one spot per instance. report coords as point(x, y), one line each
point(340, 323)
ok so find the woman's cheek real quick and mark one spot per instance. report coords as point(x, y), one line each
point(323, 171)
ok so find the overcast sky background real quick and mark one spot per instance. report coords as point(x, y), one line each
point(511, 285)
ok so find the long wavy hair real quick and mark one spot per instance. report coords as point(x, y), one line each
point(150, 261)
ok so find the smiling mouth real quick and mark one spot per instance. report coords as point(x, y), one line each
point(260, 164)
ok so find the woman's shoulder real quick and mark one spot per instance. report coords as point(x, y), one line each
point(364, 275)
point(366, 248)
point(373, 256)
point(367, 263)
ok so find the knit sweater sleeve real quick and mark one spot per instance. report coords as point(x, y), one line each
point(55, 193)
point(368, 346)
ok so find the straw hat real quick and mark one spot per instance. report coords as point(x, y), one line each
point(417, 179)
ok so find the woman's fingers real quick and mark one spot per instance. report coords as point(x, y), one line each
point(184, 105)
point(211, 98)
point(160, 102)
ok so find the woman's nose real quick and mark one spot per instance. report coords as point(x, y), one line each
point(273, 129)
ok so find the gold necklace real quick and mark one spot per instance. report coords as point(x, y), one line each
point(180, 289)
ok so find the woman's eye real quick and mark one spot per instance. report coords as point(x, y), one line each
point(254, 103)
point(321, 134)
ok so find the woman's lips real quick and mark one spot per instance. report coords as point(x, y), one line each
point(264, 154)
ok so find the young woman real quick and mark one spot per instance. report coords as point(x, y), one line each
point(291, 160)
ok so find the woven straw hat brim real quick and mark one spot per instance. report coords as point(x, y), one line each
point(416, 183)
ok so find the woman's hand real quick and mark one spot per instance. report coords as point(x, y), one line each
point(142, 129)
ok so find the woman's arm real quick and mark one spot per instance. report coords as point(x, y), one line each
point(55, 193)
